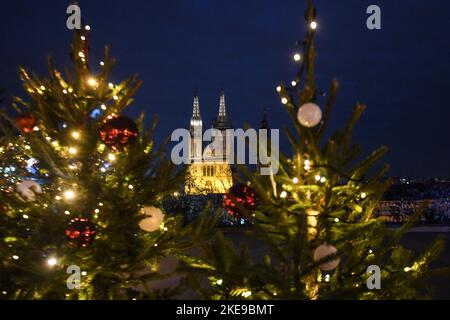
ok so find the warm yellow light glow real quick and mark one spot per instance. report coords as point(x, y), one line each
point(100, 204)
point(25, 216)
point(73, 150)
point(102, 63)
point(15, 257)
point(323, 179)
point(51, 262)
point(130, 187)
point(313, 25)
point(363, 195)
point(83, 273)
point(297, 57)
point(111, 157)
point(279, 89)
point(284, 101)
point(42, 88)
point(246, 294)
point(116, 97)
point(111, 85)
point(407, 269)
point(65, 91)
point(76, 135)
point(69, 195)
point(176, 194)
point(92, 82)
point(70, 90)
point(87, 27)
point(83, 38)
point(219, 282)
point(283, 194)
point(96, 210)
point(336, 220)
point(102, 169)
point(103, 107)
point(317, 177)
point(67, 212)
point(294, 83)
point(58, 198)
point(295, 180)
point(370, 251)
point(81, 54)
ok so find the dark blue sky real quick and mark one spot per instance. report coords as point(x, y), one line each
point(245, 47)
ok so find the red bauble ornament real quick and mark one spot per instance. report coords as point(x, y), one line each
point(119, 132)
point(81, 231)
point(26, 122)
point(241, 195)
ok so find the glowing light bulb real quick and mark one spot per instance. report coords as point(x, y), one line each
point(111, 85)
point(323, 179)
point(51, 262)
point(219, 282)
point(25, 216)
point(370, 251)
point(317, 177)
point(15, 257)
point(313, 25)
point(83, 273)
point(102, 63)
point(67, 213)
point(76, 135)
point(246, 294)
point(58, 198)
point(363, 195)
point(294, 83)
point(297, 57)
point(92, 82)
point(407, 269)
point(279, 89)
point(284, 101)
point(103, 107)
point(42, 88)
point(87, 27)
point(295, 180)
point(69, 195)
point(73, 150)
point(111, 157)
point(81, 54)
point(83, 38)
point(130, 187)
point(65, 91)
point(336, 220)
point(283, 194)
point(116, 97)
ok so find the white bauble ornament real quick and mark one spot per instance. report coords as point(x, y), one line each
point(309, 115)
point(28, 190)
point(153, 219)
point(324, 251)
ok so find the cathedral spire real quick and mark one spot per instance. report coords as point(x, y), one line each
point(196, 119)
point(222, 121)
point(264, 122)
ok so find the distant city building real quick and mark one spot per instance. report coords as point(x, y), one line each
point(209, 171)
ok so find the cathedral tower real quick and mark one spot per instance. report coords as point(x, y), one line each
point(209, 171)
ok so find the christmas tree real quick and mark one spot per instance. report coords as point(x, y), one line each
point(316, 215)
point(81, 189)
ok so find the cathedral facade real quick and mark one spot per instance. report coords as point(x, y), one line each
point(209, 171)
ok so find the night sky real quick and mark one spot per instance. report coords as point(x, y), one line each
point(401, 72)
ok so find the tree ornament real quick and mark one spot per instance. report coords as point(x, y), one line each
point(153, 219)
point(241, 195)
point(119, 132)
point(323, 251)
point(81, 231)
point(309, 115)
point(26, 122)
point(28, 190)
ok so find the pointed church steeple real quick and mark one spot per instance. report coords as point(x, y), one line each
point(264, 122)
point(222, 122)
point(196, 119)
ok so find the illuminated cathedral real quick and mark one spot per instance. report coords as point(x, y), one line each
point(209, 171)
